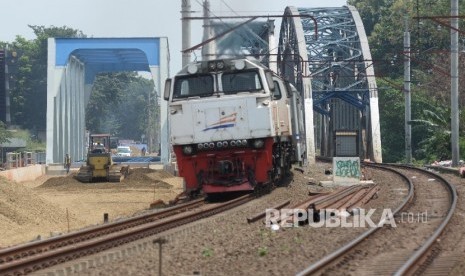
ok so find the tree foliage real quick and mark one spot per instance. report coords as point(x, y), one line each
point(29, 96)
point(120, 104)
point(384, 21)
point(392, 123)
point(107, 92)
point(5, 135)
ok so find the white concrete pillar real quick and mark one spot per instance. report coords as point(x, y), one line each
point(375, 126)
point(53, 74)
point(159, 75)
point(80, 118)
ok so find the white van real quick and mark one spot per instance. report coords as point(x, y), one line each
point(123, 151)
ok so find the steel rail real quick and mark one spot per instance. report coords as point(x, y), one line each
point(24, 250)
point(415, 258)
point(335, 254)
point(74, 251)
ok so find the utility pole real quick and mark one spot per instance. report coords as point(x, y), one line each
point(2, 87)
point(408, 115)
point(186, 31)
point(454, 74)
point(454, 81)
point(7, 88)
point(150, 125)
point(209, 49)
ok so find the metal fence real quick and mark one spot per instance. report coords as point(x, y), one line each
point(23, 159)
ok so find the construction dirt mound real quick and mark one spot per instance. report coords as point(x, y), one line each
point(52, 205)
point(136, 177)
point(60, 181)
point(21, 209)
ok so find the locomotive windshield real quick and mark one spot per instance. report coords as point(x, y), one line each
point(193, 86)
point(241, 81)
point(203, 85)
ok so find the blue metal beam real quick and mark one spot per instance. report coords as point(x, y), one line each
point(109, 54)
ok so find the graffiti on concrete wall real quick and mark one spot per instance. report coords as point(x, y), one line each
point(346, 169)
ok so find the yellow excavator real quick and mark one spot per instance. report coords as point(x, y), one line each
point(99, 165)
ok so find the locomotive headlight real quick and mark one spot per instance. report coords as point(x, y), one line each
point(259, 143)
point(192, 68)
point(200, 146)
point(188, 150)
point(239, 64)
point(220, 65)
point(212, 66)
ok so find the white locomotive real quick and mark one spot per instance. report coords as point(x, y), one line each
point(234, 125)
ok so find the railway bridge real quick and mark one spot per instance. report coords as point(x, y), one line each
point(324, 52)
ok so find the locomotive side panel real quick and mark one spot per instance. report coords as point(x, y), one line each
point(283, 112)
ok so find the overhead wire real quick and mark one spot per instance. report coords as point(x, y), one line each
point(245, 38)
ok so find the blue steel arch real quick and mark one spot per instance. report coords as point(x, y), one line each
point(73, 64)
point(109, 54)
point(338, 62)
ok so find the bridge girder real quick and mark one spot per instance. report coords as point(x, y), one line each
point(338, 62)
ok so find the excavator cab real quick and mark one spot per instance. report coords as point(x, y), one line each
point(99, 164)
point(99, 143)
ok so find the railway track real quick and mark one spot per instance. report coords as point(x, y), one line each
point(406, 249)
point(31, 257)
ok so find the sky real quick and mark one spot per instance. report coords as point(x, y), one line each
point(132, 18)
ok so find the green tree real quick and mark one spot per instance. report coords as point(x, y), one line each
point(5, 135)
point(136, 101)
point(430, 124)
point(391, 109)
point(107, 92)
point(435, 141)
point(120, 105)
point(371, 11)
point(384, 23)
point(29, 97)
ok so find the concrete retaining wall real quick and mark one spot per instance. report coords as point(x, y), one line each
point(22, 174)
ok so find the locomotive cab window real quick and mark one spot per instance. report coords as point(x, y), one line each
point(193, 86)
point(277, 91)
point(243, 81)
